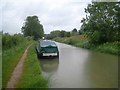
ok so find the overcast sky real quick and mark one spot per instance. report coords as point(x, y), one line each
point(53, 14)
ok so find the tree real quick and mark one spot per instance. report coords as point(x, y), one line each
point(74, 31)
point(55, 33)
point(80, 32)
point(67, 34)
point(62, 33)
point(102, 24)
point(33, 27)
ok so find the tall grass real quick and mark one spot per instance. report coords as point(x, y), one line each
point(79, 40)
point(83, 42)
point(109, 47)
point(10, 59)
point(31, 77)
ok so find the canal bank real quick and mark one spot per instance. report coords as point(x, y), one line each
point(83, 42)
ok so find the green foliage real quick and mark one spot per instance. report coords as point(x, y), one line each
point(57, 33)
point(53, 34)
point(67, 34)
point(62, 33)
point(112, 48)
point(74, 31)
point(73, 40)
point(9, 41)
point(11, 55)
point(32, 77)
point(33, 27)
point(102, 24)
point(79, 32)
point(83, 42)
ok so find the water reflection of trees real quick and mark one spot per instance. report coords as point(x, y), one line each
point(102, 70)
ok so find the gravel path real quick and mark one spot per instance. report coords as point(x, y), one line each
point(17, 71)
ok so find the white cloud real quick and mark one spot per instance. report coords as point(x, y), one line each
point(53, 14)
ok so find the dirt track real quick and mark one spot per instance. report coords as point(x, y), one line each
point(17, 71)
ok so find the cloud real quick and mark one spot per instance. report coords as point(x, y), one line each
point(53, 14)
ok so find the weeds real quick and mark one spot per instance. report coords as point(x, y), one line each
point(11, 56)
point(83, 42)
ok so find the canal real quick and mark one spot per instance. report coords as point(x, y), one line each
point(80, 68)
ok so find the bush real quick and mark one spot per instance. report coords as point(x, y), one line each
point(9, 41)
point(110, 47)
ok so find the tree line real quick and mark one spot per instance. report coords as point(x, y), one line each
point(101, 25)
point(32, 27)
point(102, 22)
point(62, 33)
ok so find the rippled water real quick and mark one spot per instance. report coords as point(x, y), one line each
point(80, 68)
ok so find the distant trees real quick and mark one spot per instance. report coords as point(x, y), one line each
point(68, 34)
point(32, 27)
point(57, 33)
point(74, 32)
point(62, 33)
point(79, 32)
point(53, 34)
point(103, 22)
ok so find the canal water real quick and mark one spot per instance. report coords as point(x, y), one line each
point(80, 68)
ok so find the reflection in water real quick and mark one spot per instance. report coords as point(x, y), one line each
point(102, 70)
point(49, 64)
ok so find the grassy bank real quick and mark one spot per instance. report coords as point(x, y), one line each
point(10, 59)
point(78, 40)
point(83, 42)
point(31, 77)
point(111, 48)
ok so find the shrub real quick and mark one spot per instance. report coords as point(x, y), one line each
point(9, 41)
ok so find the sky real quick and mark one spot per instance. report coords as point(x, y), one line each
point(53, 14)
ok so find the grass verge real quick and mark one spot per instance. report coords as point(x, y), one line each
point(79, 40)
point(32, 77)
point(10, 58)
point(83, 42)
point(111, 47)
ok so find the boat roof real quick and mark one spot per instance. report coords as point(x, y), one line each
point(44, 43)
